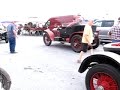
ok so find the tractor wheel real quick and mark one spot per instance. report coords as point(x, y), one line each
point(47, 39)
point(76, 43)
point(103, 77)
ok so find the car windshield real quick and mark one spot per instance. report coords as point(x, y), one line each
point(104, 23)
point(47, 24)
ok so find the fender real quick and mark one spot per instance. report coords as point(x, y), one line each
point(6, 85)
point(50, 33)
point(100, 58)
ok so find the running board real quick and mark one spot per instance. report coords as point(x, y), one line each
point(58, 39)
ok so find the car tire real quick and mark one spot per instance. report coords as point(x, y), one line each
point(47, 39)
point(76, 43)
point(5, 79)
point(103, 77)
point(41, 33)
point(37, 33)
point(6, 40)
point(96, 43)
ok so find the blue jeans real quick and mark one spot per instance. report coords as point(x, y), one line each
point(113, 41)
point(12, 43)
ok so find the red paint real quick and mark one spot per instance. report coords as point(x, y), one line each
point(67, 39)
point(116, 44)
point(104, 80)
point(50, 33)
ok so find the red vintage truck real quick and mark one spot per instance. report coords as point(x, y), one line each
point(56, 29)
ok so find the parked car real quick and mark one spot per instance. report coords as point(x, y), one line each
point(61, 33)
point(104, 26)
point(3, 33)
point(103, 68)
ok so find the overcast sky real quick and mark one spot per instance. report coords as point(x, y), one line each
point(49, 8)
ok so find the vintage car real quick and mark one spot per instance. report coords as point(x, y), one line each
point(57, 29)
point(33, 28)
point(3, 34)
point(72, 35)
point(103, 69)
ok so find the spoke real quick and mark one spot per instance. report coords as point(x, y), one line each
point(103, 80)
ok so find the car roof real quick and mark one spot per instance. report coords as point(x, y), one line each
point(63, 19)
point(104, 20)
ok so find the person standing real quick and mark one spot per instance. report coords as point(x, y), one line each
point(12, 34)
point(87, 39)
point(115, 32)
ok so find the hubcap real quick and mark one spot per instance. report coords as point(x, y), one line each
point(103, 81)
point(100, 88)
point(76, 43)
point(46, 39)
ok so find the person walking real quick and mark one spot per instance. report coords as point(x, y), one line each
point(12, 34)
point(87, 40)
point(115, 32)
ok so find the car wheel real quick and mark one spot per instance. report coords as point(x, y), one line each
point(47, 39)
point(19, 32)
point(37, 33)
point(96, 43)
point(5, 80)
point(76, 43)
point(103, 77)
point(41, 33)
point(6, 40)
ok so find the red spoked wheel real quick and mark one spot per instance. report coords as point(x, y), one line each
point(103, 77)
point(76, 43)
point(102, 81)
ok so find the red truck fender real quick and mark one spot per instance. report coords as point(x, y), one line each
point(50, 33)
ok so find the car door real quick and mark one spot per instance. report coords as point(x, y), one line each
point(104, 27)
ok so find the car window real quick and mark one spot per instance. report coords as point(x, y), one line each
point(104, 23)
point(47, 24)
point(98, 23)
point(108, 24)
